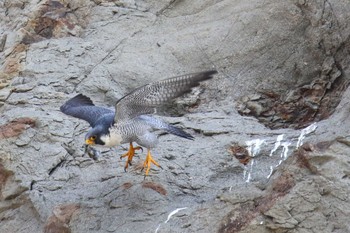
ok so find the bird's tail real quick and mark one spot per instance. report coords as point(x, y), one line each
point(161, 125)
point(178, 132)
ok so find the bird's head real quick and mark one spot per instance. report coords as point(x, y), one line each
point(96, 136)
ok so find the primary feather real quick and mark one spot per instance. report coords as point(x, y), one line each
point(144, 99)
point(83, 108)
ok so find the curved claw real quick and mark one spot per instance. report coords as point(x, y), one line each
point(130, 154)
point(127, 165)
point(148, 161)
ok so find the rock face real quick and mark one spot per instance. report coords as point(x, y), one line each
point(283, 65)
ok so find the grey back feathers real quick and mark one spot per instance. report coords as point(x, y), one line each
point(83, 108)
point(144, 99)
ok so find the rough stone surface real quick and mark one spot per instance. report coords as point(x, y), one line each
point(284, 62)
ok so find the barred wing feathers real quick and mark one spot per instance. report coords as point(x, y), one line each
point(144, 99)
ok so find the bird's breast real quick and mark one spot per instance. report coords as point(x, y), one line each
point(113, 139)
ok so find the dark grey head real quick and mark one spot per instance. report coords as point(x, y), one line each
point(96, 135)
point(99, 134)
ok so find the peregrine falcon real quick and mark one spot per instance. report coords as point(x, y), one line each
point(132, 121)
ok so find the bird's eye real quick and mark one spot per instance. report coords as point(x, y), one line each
point(93, 138)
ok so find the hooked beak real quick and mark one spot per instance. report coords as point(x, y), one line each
point(89, 141)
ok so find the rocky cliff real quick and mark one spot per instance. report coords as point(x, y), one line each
point(271, 148)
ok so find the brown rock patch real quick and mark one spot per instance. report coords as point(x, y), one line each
point(127, 185)
point(4, 175)
point(53, 19)
point(298, 107)
point(240, 153)
point(59, 221)
point(156, 187)
point(13, 64)
point(16, 127)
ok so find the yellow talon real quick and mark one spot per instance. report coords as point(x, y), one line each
point(130, 154)
point(148, 161)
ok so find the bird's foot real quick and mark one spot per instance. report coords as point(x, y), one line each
point(148, 161)
point(130, 154)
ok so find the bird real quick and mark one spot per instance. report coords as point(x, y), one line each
point(132, 119)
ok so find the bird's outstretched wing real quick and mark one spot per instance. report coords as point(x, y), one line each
point(83, 108)
point(145, 99)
